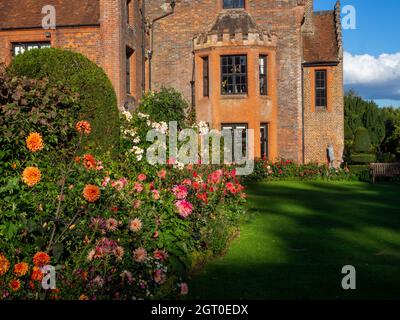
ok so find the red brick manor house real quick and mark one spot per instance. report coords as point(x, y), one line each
point(275, 66)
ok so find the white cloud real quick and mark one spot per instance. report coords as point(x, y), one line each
point(373, 77)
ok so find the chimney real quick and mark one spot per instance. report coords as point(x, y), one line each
point(308, 26)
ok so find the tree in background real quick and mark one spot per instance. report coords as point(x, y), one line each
point(378, 123)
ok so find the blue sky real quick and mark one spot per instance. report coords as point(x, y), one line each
point(372, 50)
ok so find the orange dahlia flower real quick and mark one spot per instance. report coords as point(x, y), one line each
point(41, 259)
point(4, 265)
point(83, 297)
point(37, 274)
point(83, 127)
point(91, 193)
point(89, 162)
point(21, 269)
point(34, 142)
point(31, 176)
point(15, 285)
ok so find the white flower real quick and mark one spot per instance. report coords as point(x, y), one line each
point(136, 140)
point(130, 132)
point(179, 165)
point(143, 116)
point(127, 115)
point(138, 152)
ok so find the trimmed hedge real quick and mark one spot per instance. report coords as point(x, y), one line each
point(362, 141)
point(363, 158)
point(97, 98)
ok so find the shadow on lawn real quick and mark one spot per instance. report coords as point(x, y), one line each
point(299, 238)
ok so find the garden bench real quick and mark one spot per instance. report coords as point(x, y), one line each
point(384, 170)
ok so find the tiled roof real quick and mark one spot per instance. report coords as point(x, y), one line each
point(28, 13)
point(322, 45)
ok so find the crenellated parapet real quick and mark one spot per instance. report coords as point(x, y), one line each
point(234, 28)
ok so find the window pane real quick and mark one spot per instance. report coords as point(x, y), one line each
point(320, 89)
point(234, 74)
point(206, 80)
point(232, 4)
point(22, 47)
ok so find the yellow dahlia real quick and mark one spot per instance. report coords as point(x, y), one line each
point(31, 176)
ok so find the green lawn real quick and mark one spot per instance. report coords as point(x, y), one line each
point(298, 237)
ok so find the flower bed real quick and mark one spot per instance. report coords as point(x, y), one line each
point(112, 228)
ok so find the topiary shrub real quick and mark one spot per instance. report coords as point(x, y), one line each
point(166, 105)
point(362, 141)
point(97, 99)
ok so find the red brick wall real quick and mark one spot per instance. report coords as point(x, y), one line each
point(323, 127)
point(173, 58)
point(104, 44)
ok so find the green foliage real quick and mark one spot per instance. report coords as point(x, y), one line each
point(362, 141)
point(97, 99)
point(363, 157)
point(348, 133)
point(91, 241)
point(166, 105)
point(381, 124)
point(289, 170)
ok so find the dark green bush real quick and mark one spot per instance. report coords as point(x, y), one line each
point(97, 99)
point(364, 175)
point(363, 157)
point(165, 105)
point(362, 141)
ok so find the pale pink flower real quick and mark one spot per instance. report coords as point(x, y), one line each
point(184, 207)
point(184, 288)
point(90, 255)
point(159, 276)
point(111, 224)
point(99, 166)
point(98, 281)
point(138, 187)
point(140, 255)
point(137, 204)
point(106, 181)
point(156, 194)
point(135, 225)
point(119, 252)
point(180, 192)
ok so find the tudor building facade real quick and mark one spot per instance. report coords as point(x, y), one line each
point(274, 66)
